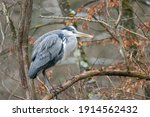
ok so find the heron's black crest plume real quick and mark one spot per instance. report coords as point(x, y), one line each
point(70, 28)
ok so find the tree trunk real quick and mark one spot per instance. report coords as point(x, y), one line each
point(22, 37)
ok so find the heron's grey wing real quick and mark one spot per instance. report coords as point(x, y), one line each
point(48, 52)
point(40, 39)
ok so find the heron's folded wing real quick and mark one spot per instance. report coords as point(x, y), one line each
point(46, 53)
point(52, 35)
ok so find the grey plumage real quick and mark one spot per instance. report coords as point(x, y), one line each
point(53, 47)
point(46, 54)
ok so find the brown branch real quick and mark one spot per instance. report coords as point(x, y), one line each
point(25, 18)
point(120, 14)
point(97, 72)
point(27, 22)
point(95, 21)
point(108, 29)
point(9, 20)
point(3, 37)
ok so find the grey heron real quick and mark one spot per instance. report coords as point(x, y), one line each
point(52, 48)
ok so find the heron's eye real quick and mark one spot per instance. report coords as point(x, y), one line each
point(73, 31)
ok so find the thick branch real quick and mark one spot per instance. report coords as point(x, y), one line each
point(97, 72)
point(23, 29)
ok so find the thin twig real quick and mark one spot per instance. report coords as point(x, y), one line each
point(111, 81)
point(93, 20)
point(13, 92)
point(3, 37)
point(143, 37)
point(136, 94)
point(11, 77)
point(9, 91)
point(76, 18)
point(120, 14)
point(9, 21)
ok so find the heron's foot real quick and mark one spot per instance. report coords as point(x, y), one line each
point(49, 86)
point(54, 91)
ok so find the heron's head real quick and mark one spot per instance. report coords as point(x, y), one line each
point(72, 31)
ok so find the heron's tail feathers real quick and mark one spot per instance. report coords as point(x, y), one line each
point(32, 73)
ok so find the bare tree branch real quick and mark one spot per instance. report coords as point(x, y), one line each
point(3, 37)
point(93, 20)
point(120, 13)
point(11, 77)
point(9, 21)
point(12, 94)
point(97, 72)
point(22, 35)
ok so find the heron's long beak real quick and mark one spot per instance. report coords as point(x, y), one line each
point(80, 34)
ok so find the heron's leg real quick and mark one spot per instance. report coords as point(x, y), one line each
point(47, 80)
